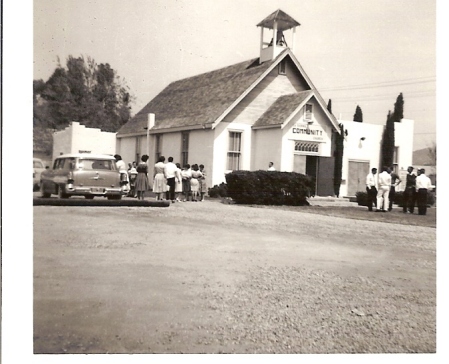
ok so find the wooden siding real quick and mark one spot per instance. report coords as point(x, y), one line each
point(261, 98)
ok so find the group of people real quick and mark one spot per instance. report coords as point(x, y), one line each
point(381, 190)
point(170, 181)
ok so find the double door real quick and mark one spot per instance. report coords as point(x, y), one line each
point(357, 172)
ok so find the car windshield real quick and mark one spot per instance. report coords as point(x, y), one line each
point(94, 164)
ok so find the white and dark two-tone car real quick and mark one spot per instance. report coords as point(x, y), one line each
point(84, 174)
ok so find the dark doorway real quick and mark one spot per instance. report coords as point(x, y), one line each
point(325, 180)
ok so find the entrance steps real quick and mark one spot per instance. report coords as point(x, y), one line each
point(331, 201)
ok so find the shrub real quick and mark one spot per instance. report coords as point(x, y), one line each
point(362, 198)
point(218, 191)
point(399, 199)
point(269, 188)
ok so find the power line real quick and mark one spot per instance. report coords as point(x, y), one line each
point(403, 82)
point(383, 97)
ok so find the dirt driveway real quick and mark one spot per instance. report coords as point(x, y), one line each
point(208, 277)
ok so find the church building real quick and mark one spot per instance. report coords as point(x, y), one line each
point(242, 117)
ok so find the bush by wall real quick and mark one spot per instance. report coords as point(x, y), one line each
point(218, 191)
point(269, 188)
point(398, 198)
point(362, 198)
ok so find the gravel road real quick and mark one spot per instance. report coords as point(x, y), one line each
point(209, 277)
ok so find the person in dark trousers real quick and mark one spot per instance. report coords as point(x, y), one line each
point(409, 192)
point(170, 171)
point(395, 181)
point(371, 188)
point(423, 185)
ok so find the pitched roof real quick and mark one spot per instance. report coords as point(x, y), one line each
point(283, 20)
point(282, 108)
point(198, 100)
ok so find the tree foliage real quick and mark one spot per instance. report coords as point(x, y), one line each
point(83, 91)
point(358, 116)
point(398, 113)
point(338, 154)
point(388, 141)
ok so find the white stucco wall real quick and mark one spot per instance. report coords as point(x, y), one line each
point(77, 138)
point(369, 149)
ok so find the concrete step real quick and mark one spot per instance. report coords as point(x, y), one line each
point(331, 201)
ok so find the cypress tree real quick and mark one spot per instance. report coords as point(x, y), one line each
point(329, 106)
point(338, 154)
point(388, 142)
point(358, 116)
point(398, 113)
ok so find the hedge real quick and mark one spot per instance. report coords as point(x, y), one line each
point(269, 188)
point(218, 191)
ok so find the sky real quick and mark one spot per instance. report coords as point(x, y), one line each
point(355, 52)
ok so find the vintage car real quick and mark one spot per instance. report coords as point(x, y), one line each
point(38, 168)
point(84, 174)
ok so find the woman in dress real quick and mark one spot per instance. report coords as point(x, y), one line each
point(160, 183)
point(178, 185)
point(141, 183)
point(194, 183)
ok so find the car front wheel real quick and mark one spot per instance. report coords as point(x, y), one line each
point(115, 197)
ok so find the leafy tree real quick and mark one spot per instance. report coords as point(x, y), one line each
point(358, 116)
point(329, 106)
point(338, 154)
point(82, 91)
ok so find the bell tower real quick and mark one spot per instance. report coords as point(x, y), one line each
point(276, 23)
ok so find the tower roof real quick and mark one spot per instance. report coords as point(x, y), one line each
point(284, 21)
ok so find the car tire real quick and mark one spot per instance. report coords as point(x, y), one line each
point(89, 197)
point(43, 193)
point(115, 197)
point(61, 193)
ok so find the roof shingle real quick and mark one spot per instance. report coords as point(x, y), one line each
point(199, 99)
point(282, 108)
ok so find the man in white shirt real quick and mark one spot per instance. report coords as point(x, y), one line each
point(371, 188)
point(170, 174)
point(423, 185)
point(384, 189)
point(271, 167)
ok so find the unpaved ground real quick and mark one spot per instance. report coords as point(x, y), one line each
point(215, 278)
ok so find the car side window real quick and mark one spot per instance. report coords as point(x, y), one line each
point(56, 164)
point(69, 163)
